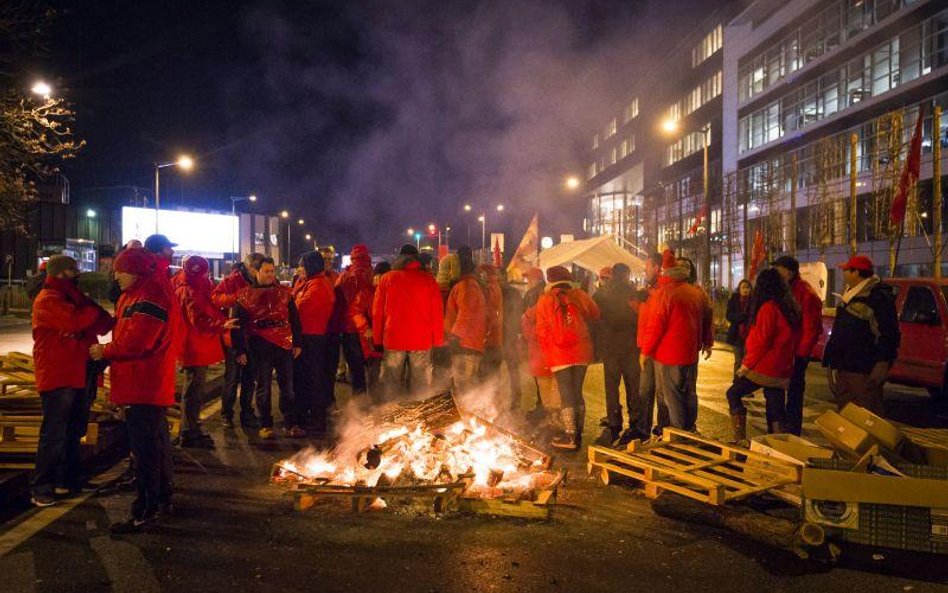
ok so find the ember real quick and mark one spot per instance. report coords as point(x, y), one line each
point(417, 447)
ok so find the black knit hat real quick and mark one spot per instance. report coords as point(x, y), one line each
point(408, 249)
point(312, 262)
point(787, 262)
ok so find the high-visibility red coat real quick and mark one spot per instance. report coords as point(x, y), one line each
point(644, 309)
point(557, 352)
point(360, 316)
point(770, 347)
point(678, 323)
point(494, 300)
point(65, 323)
point(203, 322)
point(465, 316)
point(141, 352)
point(315, 299)
point(812, 308)
point(535, 359)
point(225, 294)
point(407, 312)
point(266, 312)
point(355, 281)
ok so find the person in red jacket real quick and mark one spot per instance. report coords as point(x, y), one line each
point(643, 412)
point(408, 321)
point(811, 307)
point(563, 317)
point(677, 328)
point(268, 332)
point(313, 377)
point(204, 325)
point(465, 324)
point(361, 312)
point(548, 406)
point(356, 280)
point(65, 323)
point(224, 296)
point(142, 358)
point(489, 280)
point(769, 355)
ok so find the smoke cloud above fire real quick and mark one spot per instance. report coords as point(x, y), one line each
point(370, 117)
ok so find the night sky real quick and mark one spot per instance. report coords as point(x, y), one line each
point(362, 117)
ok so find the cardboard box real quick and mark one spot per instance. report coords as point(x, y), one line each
point(884, 432)
point(789, 448)
point(844, 486)
point(846, 437)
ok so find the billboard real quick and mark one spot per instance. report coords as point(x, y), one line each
point(196, 233)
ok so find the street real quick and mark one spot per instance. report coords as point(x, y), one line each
point(232, 531)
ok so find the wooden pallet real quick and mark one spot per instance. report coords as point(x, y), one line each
point(443, 496)
point(540, 507)
point(693, 466)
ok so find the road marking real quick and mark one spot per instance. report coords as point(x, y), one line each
point(129, 571)
point(39, 519)
point(19, 572)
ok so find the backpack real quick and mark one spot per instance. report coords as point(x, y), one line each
point(567, 321)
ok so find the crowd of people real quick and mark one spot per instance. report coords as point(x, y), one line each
point(406, 331)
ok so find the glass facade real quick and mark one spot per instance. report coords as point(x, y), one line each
point(708, 46)
point(902, 58)
point(834, 26)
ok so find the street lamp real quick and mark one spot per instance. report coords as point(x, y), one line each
point(41, 88)
point(418, 240)
point(411, 232)
point(184, 162)
point(483, 220)
point(572, 183)
point(300, 221)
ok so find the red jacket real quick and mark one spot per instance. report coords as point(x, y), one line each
point(360, 316)
point(315, 299)
point(141, 352)
point(465, 316)
point(266, 312)
point(65, 324)
point(355, 281)
point(812, 308)
point(678, 323)
point(407, 312)
point(203, 322)
point(225, 294)
point(644, 310)
point(770, 346)
point(528, 327)
point(557, 351)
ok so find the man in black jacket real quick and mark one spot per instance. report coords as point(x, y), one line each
point(616, 334)
point(865, 338)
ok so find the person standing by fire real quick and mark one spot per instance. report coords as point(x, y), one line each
point(563, 317)
point(269, 334)
point(313, 378)
point(407, 321)
point(224, 296)
point(355, 280)
point(494, 339)
point(465, 324)
point(143, 358)
point(649, 390)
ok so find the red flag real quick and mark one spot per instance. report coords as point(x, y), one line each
point(758, 255)
point(698, 219)
point(498, 261)
point(910, 173)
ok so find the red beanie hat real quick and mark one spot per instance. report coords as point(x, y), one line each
point(135, 261)
point(668, 259)
point(196, 266)
point(558, 274)
point(360, 252)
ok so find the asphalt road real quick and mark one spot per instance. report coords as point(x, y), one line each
point(234, 532)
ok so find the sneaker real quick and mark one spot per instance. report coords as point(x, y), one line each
point(42, 500)
point(135, 524)
point(294, 432)
point(249, 421)
point(566, 442)
point(199, 441)
point(227, 421)
point(266, 434)
point(72, 491)
point(609, 435)
point(628, 435)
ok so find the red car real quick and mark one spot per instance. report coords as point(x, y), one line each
point(922, 306)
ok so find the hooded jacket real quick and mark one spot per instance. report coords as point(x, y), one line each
point(494, 300)
point(142, 353)
point(407, 311)
point(355, 281)
point(65, 323)
point(556, 354)
point(678, 321)
point(771, 347)
point(465, 316)
point(203, 322)
point(315, 300)
point(866, 330)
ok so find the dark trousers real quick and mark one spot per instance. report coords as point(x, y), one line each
point(650, 393)
point(738, 356)
point(795, 396)
point(621, 367)
point(269, 357)
point(195, 378)
point(313, 379)
point(373, 372)
point(331, 365)
point(236, 376)
point(65, 418)
point(679, 393)
point(773, 396)
point(512, 358)
point(570, 383)
point(355, 360)
point(490, 363)
point(150, 444)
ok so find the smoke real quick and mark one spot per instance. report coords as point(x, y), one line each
point(369, 117)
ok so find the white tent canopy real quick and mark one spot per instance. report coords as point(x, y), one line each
point(591, 254)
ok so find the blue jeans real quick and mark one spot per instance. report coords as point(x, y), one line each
point(678, 386)
point(774, 397)
point(413, 368)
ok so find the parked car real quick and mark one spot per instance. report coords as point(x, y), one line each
point(922, 306)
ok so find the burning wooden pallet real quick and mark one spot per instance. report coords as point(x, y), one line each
point(693, 466)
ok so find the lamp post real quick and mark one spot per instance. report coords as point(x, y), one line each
point(285, 214)
point(233, 213)
point(90, 214)
point(185, 162)
point(483, 220)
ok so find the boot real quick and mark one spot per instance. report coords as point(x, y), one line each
point(739, 429)
point(776, 427)
point(569, 440)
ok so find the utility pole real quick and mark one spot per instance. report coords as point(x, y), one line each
point(707, 208)
point(853, 238)
point(793, 205)
point(936, 188)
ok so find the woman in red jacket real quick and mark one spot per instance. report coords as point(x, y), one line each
point(314, 371)
point(769, 353)
point(65, 324)
point(204, 325)
point(563, 316)
point(465, 324)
